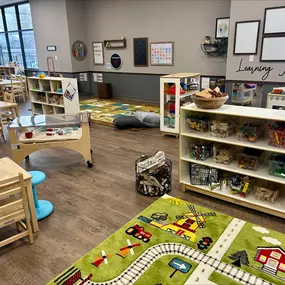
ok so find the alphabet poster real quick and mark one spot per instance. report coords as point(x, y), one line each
point(161, 53)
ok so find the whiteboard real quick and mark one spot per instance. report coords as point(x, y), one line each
point(274, 20)
point(246, 37)
point(273, 49)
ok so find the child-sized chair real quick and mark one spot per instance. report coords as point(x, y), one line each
point(43, 207)
point(14, 208)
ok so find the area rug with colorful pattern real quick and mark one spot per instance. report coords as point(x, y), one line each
point(105, 111)
point(176, 242)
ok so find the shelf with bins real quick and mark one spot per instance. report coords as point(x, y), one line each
point(47, 95)
point(236, 115)
point(175, 90)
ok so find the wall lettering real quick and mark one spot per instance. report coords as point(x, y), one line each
point(263, 69)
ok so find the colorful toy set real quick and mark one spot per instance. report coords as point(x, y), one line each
point(250, 132)
point(221, 129)
point(277, 134)
point(198, 123)
point(200, 151)
point(249, 158)
point(241, 185)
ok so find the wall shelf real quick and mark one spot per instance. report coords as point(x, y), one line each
point(115, 44)
point(187, 137)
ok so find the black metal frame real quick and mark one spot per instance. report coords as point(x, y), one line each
point(19, 30)
point(256, 44)
point(265, 16)
point(270, 37)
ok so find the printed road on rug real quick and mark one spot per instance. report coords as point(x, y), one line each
point(176, 242)
point(105, 111)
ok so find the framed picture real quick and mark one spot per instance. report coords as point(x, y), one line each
point(272, 48)
point(246, 37)
point(162, 53)
point(222, 28)
point(79, 50)
point(98, 53)
point(274, 21)
point(140, 52)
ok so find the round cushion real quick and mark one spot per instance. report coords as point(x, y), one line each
point(37, 177)
point(127, 122)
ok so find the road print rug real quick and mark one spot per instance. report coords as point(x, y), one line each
point(176, 242)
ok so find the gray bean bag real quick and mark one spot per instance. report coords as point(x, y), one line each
point(127, 122)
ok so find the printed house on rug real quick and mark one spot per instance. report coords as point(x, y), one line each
point(272, 258)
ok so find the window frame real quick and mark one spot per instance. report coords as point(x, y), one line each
point(19, 30)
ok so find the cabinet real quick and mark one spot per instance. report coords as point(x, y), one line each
point(234, 113)
point(53, 95)
point(275, 101)
point(175, 90)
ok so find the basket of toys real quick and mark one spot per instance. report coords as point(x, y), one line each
point(249, 158)
point(210, 99)
point(241, 185)
point(221, 129)
point(198, 123)
point(200, 151)
point(268, 192)
point(153, 174)
point(277, 165)
point(249, 132)
point(277, 134)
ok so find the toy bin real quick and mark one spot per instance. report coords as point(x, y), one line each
point(276, 134)
point(221, 129)
point(200, 151)
point(222, 154)
point(277, 165)
point(249, 159)
point(153, 174)
point(249, 132)
point(241, 185)
point(199, 174)
point(267, 193)
point(198, 123)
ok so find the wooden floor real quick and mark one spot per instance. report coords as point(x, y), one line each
point(91, 204)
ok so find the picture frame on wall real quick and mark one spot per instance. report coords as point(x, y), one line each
point(246, 37)
point(98, 53)
point(272, 48)
point(222, 28)
point(274, 21)
point(162, 53)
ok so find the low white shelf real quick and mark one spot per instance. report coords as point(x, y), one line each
point(187, 137)
point(49, 87)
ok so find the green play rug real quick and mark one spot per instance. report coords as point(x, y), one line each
point(106, 111)
point(176, 242)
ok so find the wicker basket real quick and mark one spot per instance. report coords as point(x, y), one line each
point(210, 103)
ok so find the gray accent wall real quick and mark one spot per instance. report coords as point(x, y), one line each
point(246, 11)
point(184, 22)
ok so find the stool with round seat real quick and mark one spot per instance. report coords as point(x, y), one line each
point(43, 207)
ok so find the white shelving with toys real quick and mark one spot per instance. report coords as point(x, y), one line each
point(53, 95)
point(235, 154)
point(175, 90)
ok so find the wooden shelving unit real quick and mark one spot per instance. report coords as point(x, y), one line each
point(236, 113)
point(169, 120)
point(42, 91)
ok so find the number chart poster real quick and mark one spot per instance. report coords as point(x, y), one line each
point(161, 53)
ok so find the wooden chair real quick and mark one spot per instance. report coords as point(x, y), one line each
point(2, 128)
point(16, 88)
point(13, 208)
point(8, 115)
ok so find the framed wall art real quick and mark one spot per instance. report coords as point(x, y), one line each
point(274, 21)
point(140, 51)
point(98, 53)
point(162, 53)
point(79, 50)
point(246, 37)
point(272, 48)
point(222, 28)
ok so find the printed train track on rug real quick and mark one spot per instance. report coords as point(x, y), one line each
point(106, 111)
point(176, 242)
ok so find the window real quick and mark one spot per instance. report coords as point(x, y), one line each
point(17, 41)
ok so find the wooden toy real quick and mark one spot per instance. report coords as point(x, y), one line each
point(265, 194)
point(221, 129)
point(222, 154)
point(249, 158)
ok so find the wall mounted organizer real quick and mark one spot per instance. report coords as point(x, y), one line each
point(115, 44)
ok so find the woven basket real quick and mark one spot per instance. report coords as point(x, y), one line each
point(210, 103)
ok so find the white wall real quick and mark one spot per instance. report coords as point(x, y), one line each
point(186, 22)
point(245, 11)
point(51, 28)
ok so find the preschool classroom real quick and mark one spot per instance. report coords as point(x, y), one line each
point(142, 142)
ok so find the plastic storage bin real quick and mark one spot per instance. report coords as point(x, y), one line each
point(198, 123)
point(200, 151)
point(249, 159)
point(222, 154)
point(221, 129)
point(276, 134)
point(250, 132)
point(154, 181)
point(199, 174)
point(277, 165)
